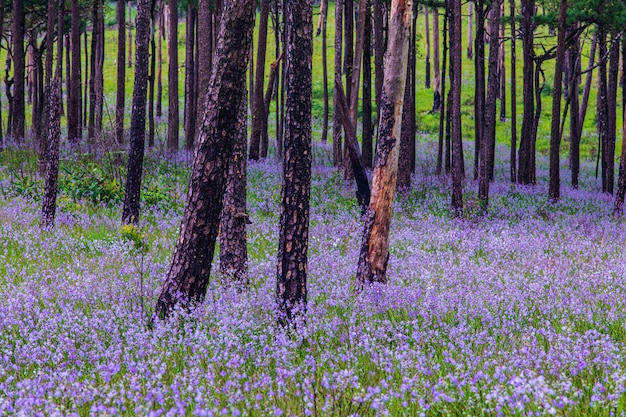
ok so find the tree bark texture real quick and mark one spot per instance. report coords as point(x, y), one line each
point(291, 282)
point(380, 47)
point(50, 28)
point(374, 254)
point(190, 79)
point(258, 108)
point(18, 108)
point(367, 135)
point(574, 135)
point(479, 92)
point(322, 22)
point(204, 59)
point(48, 206)
point(172, 84)
point(513, 157)
point(189, 271)
point(455, 106)
point(337, 132)
point(526, 150)
point(73, 111)
point(121, 71)
point(436, 68)
point(618, 207)
point(134, 170)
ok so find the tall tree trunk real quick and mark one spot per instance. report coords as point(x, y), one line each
point(588, 80)
point(99, 75)
point(611, 116)
point(348, 66)
point(374, 255)
point(427, 30)
point(73, 111)
point(618, 207)
point(291, 282)
point(436, 69)
point(189, 271)
point(274, 69)
point(513, 158)
point(323, 19)
point(18, 113)
point(488, 139)
point(38, 94)
point(337, 132)
point(367, 135)
point(554, 192)
point(121, 71)
point(526, 150)
point(204, 59)
point(130, 35)
point(501, 71)
point(601, 106)
point(479, 75)
point(574, 150)
point(442, 102)
point(258, 109)
point(455, 106)
point(134, 169)
point(190, 81)
point(151, 82)
point(48, 206)
point(161, 35)
point(50, 28)
point(380, 48)
point(172, 84)
point(470, 29)
point(234, 219)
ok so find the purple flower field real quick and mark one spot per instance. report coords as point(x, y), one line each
point(521, 312)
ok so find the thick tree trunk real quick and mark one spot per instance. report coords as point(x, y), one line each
point(513, 160)
point(234, 219)
point(18, 109)
point(258, 109)
point(367, 136)
point(526, 150)
point(554, 192)
point(134, 170)
point(374, 255)
point(291, 282)
point(188, 275)
point(337, 132)
point(48, 206)
point(488, 139)
point(479, 91)
point(190, 79)
point(455, 107)
point(172, 84)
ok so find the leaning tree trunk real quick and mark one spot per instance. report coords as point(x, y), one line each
point(189, 271)
point(258, 108)
point(291, 276)
point(18, 109)
point(130, 210)
point(48, 207)
point(374, 255)
point(554, 191)
point(233, 243)
point(488, 140)
point(172, 83)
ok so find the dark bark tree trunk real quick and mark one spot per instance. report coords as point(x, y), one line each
point(436, 69)
point(513, 158)
point(601, 106)
point(18, 108)
point(574, 151)
point(611, 115)
point(234, 219)
point(50, 28)
point(151, 82)
point(526, 150)
point(189, 271)
point(442, 102)
point(73, 111)
point(161, 35)
point(291, 282)
point(190, 81)
point(403, 180)
point(96, 82)
point(258, 108)
point(479, 92)
point(130, 210)
point(427, 30)
point(470, 29)
point(501, 71)
point(48, 206)
point(37, 114)
point(130, 35)
point(367, 135)
point(380, 48)
point(337, 132)
point(488, 140)
point(588, 80)
point(274, 69)
point(554, 191)
point(323, 19)
point(374, 254)
point(618, 207)
point(121, 71)
point(204, 59)
point(455, 106)
point(172, 85)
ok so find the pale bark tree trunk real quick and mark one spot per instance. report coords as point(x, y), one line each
point(372, 266)
point(18, 109)
point(172, 85)
point(134, 169)
point(48, 206)
point(291, 276)
point(258, 108)
point(188, 274)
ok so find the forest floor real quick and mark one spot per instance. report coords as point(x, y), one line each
point(519, 312)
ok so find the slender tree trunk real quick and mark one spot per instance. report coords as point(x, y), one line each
point(134, 169)
point(121, 71)
point(601, 110)
point(501, 71)
point(234, 219)
point(73, 111)
point(436, 69)
point(130, 35)
point(379, 50)
point(323, 19)
point(470, 29)
point(18, 109)
point(50, 28)
point(574, 151)
point(161, 35)
point(479, 92)
point(374, 255)
point(554, 192)
point(455, 106)
point(526, 151)
point(427, 30)
point(322, 16)
point(611, 116)
point(291, 282)
point(488, 140)
point(274, 69)
point(189, 271)
point(337, 132)
point(588, 80)
point(190, 81)
point(442, 102)
point(48, 206)
point(618, 207)
point(204, 59)
point(172, 113)
point(513, 158)
point(258, 109)
point(367, 132)
point(99, 75)
point(151, 79)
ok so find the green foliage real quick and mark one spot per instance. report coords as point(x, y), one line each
point(88, 182)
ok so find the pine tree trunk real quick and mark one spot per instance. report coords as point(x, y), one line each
point(455, 107)
point(50, 29)
point(513, 157)
point(18, 109)
point(574, 151)
point(172, 84)
point(618, 207)
point(526, 150)
point(427, 30)
point(291, 282)
point(374, 254)
point(121, 71)
point(190, 81)
point(554, 192)
point(48, 206)
point(470, 29)
point(258, 109)
point(189, 271)
point(274, 68)
point(501, 71)
point(73, 110)
point(159, 102)
point(589, 78)
point(130, 35)
point(367, 131)
point(204, 60)
point(134, 170)
point(337, 132)
point(479, 75)
point(151, 82)
point(323, 19)
point(234, 219)
point(436, 68)
point(442, 102)
point(380, 48)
